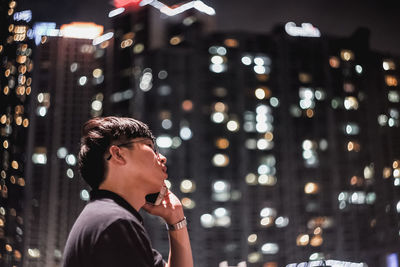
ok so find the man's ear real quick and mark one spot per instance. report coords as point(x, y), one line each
point(116, 156)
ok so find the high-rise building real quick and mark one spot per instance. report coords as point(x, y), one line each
point(281, 146)
point(15, 87)
point(68, 90)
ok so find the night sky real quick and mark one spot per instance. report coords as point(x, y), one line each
point(335, 17)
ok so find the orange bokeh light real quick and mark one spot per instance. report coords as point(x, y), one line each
point(126, 3)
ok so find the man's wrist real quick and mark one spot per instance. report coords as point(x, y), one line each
point(177, 226)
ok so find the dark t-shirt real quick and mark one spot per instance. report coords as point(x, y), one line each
point(109, 232)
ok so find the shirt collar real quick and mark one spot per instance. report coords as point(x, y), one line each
point(99, 194)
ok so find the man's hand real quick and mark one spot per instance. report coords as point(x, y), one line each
point(170, 209)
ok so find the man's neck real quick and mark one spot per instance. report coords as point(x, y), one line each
point(134, 197)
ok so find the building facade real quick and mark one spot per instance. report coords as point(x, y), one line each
point(16, 68)
point(281, 146)
point(67, 92)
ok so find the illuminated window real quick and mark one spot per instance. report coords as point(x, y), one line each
point(259, 69)
point(231, 43)
point(187, 105)
point(218, 117)
point(347, 55)
point(254, 257)
point(334, 62)
point(262, 65)
point(264, 144)
point(388, 65)
point(164, 141)
point(270, 248)
point(387, 172)
point(393, 96)
point(350, 102)
point(221, 107)
point(316, 241)
point(175, 40)
point(87, 49)
point(222, 217)
point(15, 165)
point(382, 119)
point(74, 67)
point(232, 125)
point(162, 75)
point(6, 90)
point(40, 155)
point(146, 80)
point(306, 98)
point(251, 179)
point(391, 80)
point(281, 222)
point(274, 102)
point(218, 68)
point(251, 239)
point(62, 152)
point(348, 87)
point(396, 164)
point(262, 93)
point(220, 50)
point(126, 43)
point(295, 111)
point(369, 171)
point(186, 133)
point(220, 160)
point(358, 69)
point(310, 113)
point(356, 181)
point(71, 160)
point(268, 212)
point(247, 60)
point(305, 77)
point(82, 80)
point(138, 48)
point(85, 195)
point(353, 146)
point(311, 188)
point(267, 222)
point(222, 143)
point(166, 124)
point(262, 61)
point(5, 144)
point(163, 90)
point(221, 191)
point(97, 73)
point(207, 220)
point(97, 105)
point(187, 186)
point(70, 173)
point(351, 129)
point(188, 203)
point(302, 240)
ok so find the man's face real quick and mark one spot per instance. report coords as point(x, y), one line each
point(145, 163)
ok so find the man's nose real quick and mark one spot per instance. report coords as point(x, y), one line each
point(162, 158)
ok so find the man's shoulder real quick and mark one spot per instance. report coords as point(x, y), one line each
point(105, 212)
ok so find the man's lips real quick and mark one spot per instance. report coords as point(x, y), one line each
point(164, 169)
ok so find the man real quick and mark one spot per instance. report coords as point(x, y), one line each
point(119, 161)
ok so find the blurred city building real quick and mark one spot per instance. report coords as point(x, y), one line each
point(15, 88)
point(281, 146)
point(67, 91)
